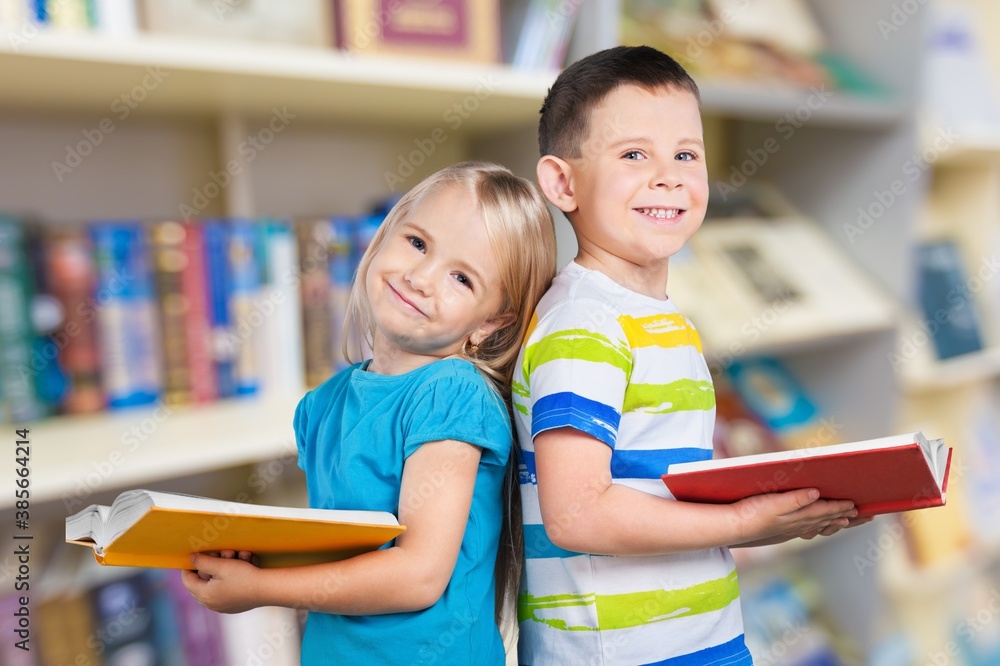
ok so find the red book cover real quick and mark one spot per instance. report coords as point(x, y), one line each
point(886, 475)
point(73, 280)
point(194, 287)
point(464, 29)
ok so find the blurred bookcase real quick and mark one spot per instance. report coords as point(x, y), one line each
point(361, 125)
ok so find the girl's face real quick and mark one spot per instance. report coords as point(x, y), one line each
point(434, 284)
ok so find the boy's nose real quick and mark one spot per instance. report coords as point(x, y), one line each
point(668, 176)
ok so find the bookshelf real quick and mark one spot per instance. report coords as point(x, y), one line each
point(961, 552)
point(358, 118)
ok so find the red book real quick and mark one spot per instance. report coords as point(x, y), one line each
point(198, 329)
point(885, 475)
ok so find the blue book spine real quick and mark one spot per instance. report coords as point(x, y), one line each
point(219, 305)
point(248, 316)
point(773, 394)
point(126, 314)
point(948, 305)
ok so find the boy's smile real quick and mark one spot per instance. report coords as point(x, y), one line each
point(639, 189)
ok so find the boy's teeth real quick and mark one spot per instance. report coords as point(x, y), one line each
point(660, 213)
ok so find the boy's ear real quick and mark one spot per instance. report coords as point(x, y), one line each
point(555, 178)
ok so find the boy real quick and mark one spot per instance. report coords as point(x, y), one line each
point(613, 388)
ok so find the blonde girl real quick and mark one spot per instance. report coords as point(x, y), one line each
point(443, 297)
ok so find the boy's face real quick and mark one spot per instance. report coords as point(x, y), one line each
point(640, 187)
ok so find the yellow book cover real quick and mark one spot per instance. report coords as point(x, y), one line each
point(143, 528)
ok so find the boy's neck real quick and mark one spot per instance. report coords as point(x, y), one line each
point(649, 281)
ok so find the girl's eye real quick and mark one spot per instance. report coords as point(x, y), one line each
point(463, 280)
point(634, 155)
point(417, 243)
point(686, 156)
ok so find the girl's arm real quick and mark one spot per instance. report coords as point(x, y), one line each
point(435, 499)
point(584, 512)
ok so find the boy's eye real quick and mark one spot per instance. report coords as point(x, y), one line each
point(686, 156)
point(634, 155)
point(463, 280)
point(417, 243)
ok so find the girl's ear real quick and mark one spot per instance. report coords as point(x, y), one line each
point(490, 326)
point(555, 178)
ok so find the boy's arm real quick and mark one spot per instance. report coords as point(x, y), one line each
point(435, 499)
point(584, 512)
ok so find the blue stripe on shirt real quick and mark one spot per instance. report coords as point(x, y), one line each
point(558, 410)
point(732, 653)
point(640, 464)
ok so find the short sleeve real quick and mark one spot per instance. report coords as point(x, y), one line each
point(300, 424)
point(578, 363)
point(463, 408)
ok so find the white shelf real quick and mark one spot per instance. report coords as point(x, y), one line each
point(87, 73)
point(76, 456)
point(80, 72)
point(800, 106)
point(925, 373)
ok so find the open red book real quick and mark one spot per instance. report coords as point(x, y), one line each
point(885, 475)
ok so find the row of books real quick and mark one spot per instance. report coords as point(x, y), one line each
point(534, 33)
point(779, 42)
point(143, 616)
point(120, 314)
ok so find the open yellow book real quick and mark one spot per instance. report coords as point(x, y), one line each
point(159, 530)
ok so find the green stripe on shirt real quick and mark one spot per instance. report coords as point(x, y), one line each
point(633, 609)
point(678, 396)
point(578, 344)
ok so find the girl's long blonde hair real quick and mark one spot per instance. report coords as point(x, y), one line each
point(521, 234)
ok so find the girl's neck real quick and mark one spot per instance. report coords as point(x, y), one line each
point(388, 359)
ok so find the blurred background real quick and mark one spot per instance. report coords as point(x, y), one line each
point(186, 186)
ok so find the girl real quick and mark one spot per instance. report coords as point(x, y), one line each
point(443, 296)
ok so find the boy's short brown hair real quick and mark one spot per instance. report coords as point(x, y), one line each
point(565, 113)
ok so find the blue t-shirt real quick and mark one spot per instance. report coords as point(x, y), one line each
point(354, 433)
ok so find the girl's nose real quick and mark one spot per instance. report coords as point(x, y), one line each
point(419, 277)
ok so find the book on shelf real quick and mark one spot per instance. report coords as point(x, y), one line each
point(301, 22)
point(219, 289)
point(886, 475)
point(317, 317)
point(144, 528)
point(244, 271)
point(18, 340)
point(947, 302)
point(72, 279)
point(755, 284)
point(463, 29)
point(280, 339)
point(537, 32)
point(126, 314)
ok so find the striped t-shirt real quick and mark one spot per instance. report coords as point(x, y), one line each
point(628, 370)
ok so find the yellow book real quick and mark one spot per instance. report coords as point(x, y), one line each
point(159, 530)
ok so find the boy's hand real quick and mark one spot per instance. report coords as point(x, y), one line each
point(777, 517)
point(225, 583)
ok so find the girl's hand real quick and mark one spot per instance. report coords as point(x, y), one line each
point(225, 583)
point(777, 517)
